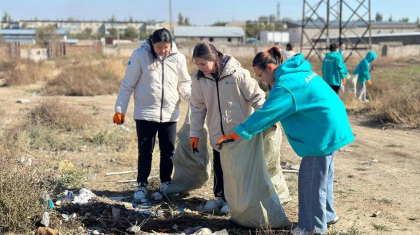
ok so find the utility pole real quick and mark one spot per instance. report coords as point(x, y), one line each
point(170, 17)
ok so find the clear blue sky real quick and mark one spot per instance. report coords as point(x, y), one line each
point(200, 12)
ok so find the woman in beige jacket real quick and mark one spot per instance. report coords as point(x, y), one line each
point(224, 94)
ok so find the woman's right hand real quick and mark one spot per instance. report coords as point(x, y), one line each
point(194, 144)
point(119, 118)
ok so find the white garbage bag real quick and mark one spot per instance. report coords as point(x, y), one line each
point(252, 198)
point(272, 138)
point(351, 83)
point(192, 171)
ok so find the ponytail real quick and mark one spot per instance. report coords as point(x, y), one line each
point(271, 56)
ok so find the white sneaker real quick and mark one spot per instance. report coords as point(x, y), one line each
point(164, 187)
point(141, 192)
point(225, 209)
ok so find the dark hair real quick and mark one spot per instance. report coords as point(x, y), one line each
point(333, 47)
point(160, 35)
point(290, 46)
point(208, 51)
point(271, 56)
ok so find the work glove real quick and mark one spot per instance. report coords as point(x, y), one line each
point(227, 139)
point(369, 82)
point(344, 81)
point(194, 144)
point(119, 118)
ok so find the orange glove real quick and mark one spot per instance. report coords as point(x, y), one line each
point(369, 82)
point(227, 139)
point(344, 81)
point(119, 118)
point(194, 144)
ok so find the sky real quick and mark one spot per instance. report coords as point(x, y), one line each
point(198, 11)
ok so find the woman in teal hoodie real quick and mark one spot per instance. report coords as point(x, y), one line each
point(334, 70)
point(315, 123)
point(362, 70)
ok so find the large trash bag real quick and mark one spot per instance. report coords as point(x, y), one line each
point(272, 144)
point(351, 83)
point(252, 198)
point(192, 171)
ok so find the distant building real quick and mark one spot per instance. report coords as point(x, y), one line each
point(27, 36)
point(357, 28)
point(273, 37)
point(213, 34)
point(152, 26)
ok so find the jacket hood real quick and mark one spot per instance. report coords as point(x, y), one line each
point(231, 66)
point(371, 56)
point(148, 47)
point(294, 64)
point(332, 54)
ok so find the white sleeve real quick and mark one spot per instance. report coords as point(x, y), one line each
point(184, 80)
point(198, 109)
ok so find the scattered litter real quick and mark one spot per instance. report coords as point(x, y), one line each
point(58, 203)
point(375, 161)
point(175, 226)
point(113, 160)
point(126, 181)
point(125, 128)
point(221, 232)
point(23, 101)
point(84, 196)
point(99, 149)
point(151, 213)
point(143, 200)
point(117, 198)
point(134, 229)
point(45, 219)
point(36, 95)
point(47, 201)
point(119, 173)
point(95, 232)
point(145, 205)
point(156, 196)
point(116, 213)
point(192, 230)
point(80, 229)
point(69, 217)
point(376, 214)
point(203, 231)
point(290, 171)
point(163, 230)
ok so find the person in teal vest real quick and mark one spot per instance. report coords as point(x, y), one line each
point(362, 71)
point(315, 122)
point(334, 70)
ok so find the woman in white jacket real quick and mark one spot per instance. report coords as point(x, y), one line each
point(225, 94)
point(157, 74)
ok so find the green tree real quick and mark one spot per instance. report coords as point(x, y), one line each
point(71, 19)
point(6, 17)
point(390, 18)
point(130, 19)
point(379, 17)
point(187, 21)
point(405, 19)
point(24, 25)
point(180, 19)
point(87, 32)
point(46, 34)
point(112, 32)
point(112, 19)
point(218, 23)
point(130, 32)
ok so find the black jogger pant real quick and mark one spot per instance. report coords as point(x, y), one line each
point(218, 176)
point(146, 135)
point(335, 88)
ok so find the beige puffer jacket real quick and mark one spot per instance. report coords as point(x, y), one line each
point(226, 102)
point(156, 84)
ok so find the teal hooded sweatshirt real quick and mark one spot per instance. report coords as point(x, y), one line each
point(333, 69)
point(362, 68)
point(312, 115)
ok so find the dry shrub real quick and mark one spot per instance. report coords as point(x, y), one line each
point(24, 72)
point(98, 78)
point(21, 194)
point(58, 114)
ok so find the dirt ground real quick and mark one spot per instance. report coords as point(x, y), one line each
point(377, 174)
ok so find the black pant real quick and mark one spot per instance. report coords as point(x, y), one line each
point(218, 187)
point(335, 88)
point(146, 134)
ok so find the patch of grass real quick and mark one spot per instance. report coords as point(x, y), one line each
point(386, 201)
point(361, 169)
point(352, 231)
point(392, 146)
point(380, 227)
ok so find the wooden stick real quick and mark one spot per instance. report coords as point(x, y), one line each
point(290, 171)
point(119, 173)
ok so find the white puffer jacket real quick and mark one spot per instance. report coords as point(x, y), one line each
point(156, 83)
point(225, 102)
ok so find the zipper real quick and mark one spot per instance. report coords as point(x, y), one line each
point(218, 101)
point(163, 90)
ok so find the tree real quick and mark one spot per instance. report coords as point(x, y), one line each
point(130, 32)
point(112, 19)
point(379, 17)
point(24, 25)
point(272, 18)
point(71, 19)
point(218, 23)
point(390, 18)
point(180, 19)
point(263, 18)
point(405, 19)
point(130, 19)
point(87, 32)
point(6, 17)
point(45, 34)
point(112, 32)
point(187, 21)
point(418, 22)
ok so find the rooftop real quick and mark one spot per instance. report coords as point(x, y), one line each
point(208, 31)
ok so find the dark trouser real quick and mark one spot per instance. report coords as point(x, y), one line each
point(146, 135)
point(218, 176)
point(335, 88)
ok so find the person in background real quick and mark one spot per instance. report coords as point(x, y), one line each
point(222, 94)
point(342, 48)
point(289, 52)
point(334, 70)
point(315, 123)
point(157, 74)
point(362, 70)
